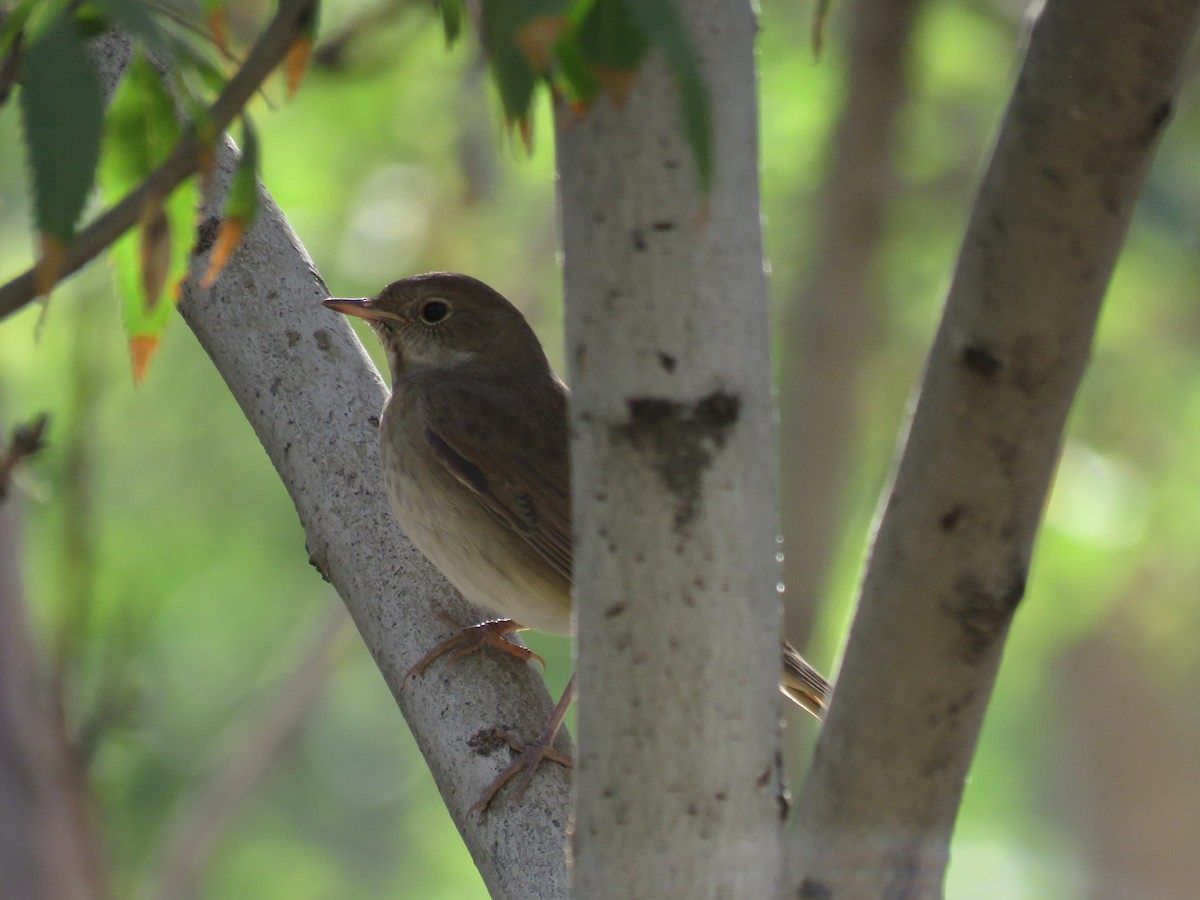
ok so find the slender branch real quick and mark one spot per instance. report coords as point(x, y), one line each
point(262, 60)
point(49, 842)
point(27, 440)
point(198, 824)
point(830, 327)
point(949, 564)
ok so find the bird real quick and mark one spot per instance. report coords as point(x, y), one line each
point(474, 447)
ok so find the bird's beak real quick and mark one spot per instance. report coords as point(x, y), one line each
point(363, 308)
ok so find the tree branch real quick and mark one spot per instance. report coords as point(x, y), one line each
point(949, 563)
point(199, 822)
point(830, 327)
point(184, 160)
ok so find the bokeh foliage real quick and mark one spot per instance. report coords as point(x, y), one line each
point(165, 562)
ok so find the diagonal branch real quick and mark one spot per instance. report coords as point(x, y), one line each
point(949, 563)
point(184, 160)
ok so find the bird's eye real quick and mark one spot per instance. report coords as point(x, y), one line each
point(434, 311)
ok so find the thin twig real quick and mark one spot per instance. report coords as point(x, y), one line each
point(266, 54)
point(27, 440)
point(201, 821)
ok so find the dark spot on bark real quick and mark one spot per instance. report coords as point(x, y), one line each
point(1006, 452)
point(615, 610)
point(373, 421)
point(581, 356)
point(663, 226)
point(984, 611)
point(293, 337)
point(935, 765)
point(721, 796)
point(670, 164)
point(487, 741)
point(950, 519)
point(763, 777)
point(718, 411)
point(981, 361)
point(692, 809)
point(680, 441)
point(667, 361)
point(1158, 118)
point(1054, 176)
point(206, 235)
point(276, 383)
point(811, 889)
point(639, 240)
point(323, 338)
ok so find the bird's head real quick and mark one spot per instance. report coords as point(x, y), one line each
point(443, 320)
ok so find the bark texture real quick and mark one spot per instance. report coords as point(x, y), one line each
point(673, 487)
point(951, 556)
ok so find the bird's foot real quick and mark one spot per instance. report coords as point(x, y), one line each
point(469, 638)
point(530, 756)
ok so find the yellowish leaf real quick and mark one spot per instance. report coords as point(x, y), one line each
point(206, 162)
point(218, 27)
point(525, 129)
point(537, 39)
point(617, 83)
point(295, 64)
point(50, 266)
point(228, 238)
point(141, 348)
point(155, 249)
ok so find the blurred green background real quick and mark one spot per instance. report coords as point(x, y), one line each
point(168, 575)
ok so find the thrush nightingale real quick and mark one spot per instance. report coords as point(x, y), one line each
point(474, 448)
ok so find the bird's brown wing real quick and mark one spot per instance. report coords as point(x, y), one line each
point(510, 450)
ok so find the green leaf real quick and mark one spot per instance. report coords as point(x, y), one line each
point(14, 23)
point(611, 38)
point(142, 127)
point(133, 16)
point(452, 18)
point(820, 14)
point(505, 24)
point(241, 206)
point(660, 24)
point(576, 71)
point(63, 113)
point(242, 200)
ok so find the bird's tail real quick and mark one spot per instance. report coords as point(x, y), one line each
point(802, 684)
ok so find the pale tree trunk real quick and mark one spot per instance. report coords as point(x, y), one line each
point(313, 398)
point(829, 328)
point(678, 778)
point(949, 562)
